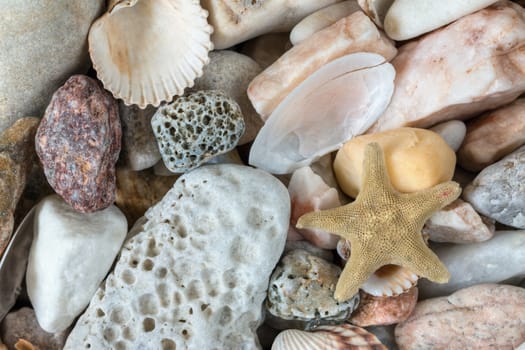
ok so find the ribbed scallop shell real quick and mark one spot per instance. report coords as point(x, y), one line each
point(147, 51)
point(340, 337)
point(388, 281)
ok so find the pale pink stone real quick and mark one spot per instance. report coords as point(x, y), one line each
point(352, 34)
point(485, 316)
point(472, 65)
point(308, 192)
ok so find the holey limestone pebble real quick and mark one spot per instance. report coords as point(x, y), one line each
point(197, 274)
point(196, 127)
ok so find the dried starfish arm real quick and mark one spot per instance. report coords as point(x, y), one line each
point(336, 220)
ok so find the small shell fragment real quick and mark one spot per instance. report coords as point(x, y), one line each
point(145, 52)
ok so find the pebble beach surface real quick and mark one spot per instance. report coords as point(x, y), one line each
point(268, 174)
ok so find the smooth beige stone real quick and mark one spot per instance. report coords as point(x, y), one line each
point(416, 159)
point(352, 34)
point(485, 316)
point(458, 222)
point(266, 49)
point(493, 136)
point(235, 21)
point(475, 64)
point(376, 9)
point(321, 19)
point(407, 19)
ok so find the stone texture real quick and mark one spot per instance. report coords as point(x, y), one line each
point(301, 290)
point(407, 19)
point(493, 136)
point(498, 192)
point(231, 72)
point(486, 316)
point(70, 255)
point(459, 223)
point(16, 156)
point(139, 146)
point(324, 254)
point(137, 191)
point(235, 21)
point(78, 143)
point(43, 44)
point(266, 49)
point(352, 34)
point(197, 274)
point(453, 132)
point(494, 261)
point(196, 127)
point(379, 311)
point(483, 51)
point(22, 324)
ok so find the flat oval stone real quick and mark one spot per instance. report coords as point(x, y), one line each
point(78, 143)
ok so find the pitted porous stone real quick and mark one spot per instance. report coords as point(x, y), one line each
point(78, 143)
point(302, 290)
point(196, 276)
point(196, 127)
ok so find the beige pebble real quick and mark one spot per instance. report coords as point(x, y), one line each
point(267, 48)
point(493, 136)
point(416, 159)
point(485, 316)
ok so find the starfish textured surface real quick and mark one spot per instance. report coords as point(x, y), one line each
point(384, 226)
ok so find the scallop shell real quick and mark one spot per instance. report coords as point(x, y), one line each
point(376, 9)
point(388, 281)
point(340, 337)
point(147, 51)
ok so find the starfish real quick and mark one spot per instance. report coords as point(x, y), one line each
point(384, 226)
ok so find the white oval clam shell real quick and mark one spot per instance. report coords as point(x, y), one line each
point(338, 101)
point(147, 51)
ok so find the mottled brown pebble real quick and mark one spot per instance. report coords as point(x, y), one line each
point(78, 143)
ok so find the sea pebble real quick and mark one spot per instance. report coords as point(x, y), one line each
point(493, 136)
point(352, 34)
point(139, 146)
point(22, 323)
point(338, 337)
point(321, 19)
point(493, 261)
point(308, 192)
point(453, 132)
point(231, 72)
point(301, 291)
point(197, 275)
point(137, 191)
point(230, 157)
point(378, 311)
point(482, 51)
point(267, 48)
point(459, 223)
point(324, 254)
point(70, 255)
point(16, 156)
point(43, 43)
point(236, 21)
point(416, 159)
point(407, 19)
point(78, 143)
point(485, 316)
point(322, 112)
point(497, 191)
point(376, 9)
point(196, 127)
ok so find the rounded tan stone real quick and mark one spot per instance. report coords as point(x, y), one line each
point(416, 159)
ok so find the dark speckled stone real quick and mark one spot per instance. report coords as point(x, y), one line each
point(78, 143)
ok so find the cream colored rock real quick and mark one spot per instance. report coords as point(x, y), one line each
point(407, 19)
point(416, 159)
point(376, 9)
point(474, 64)
point(321, 19)
point(493, 136)
point(266, 49)
point(236, 21)
point(355, 33)
point(485, 316)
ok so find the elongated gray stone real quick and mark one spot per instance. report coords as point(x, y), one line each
point(492, 261)
point(499, 192)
